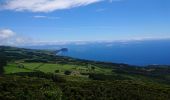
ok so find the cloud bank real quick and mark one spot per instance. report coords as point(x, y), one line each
point(9, 37)
point(45, 5)
point(45, 17)
point(6, 33)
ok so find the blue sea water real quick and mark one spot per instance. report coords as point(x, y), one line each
point(129, 52)
point(135, 53)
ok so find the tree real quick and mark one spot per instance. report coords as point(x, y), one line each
point(3, 61)
point(93, 68)
point(67, 72)
point(57, 71)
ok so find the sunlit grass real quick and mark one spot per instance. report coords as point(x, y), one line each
point(51, 68)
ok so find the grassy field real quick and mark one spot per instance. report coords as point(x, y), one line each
point(48, 67)
point(13, 68)
point(87, 80)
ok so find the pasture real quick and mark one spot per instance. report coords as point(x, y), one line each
point(51, 68)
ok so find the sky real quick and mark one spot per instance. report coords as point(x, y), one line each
point(46, 21)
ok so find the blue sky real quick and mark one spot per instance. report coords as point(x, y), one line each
point(84, 20)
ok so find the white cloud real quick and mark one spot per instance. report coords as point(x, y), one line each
point(114, 0)
point(6, 36)
point(39, 16)
point(6, 33)
point(100, 10)
point(45, 17)
point(9, 37)
point(45, 5)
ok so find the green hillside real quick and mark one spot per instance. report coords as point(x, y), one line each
point(76, 79)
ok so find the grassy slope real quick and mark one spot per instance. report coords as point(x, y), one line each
point(50, 62)
point(122, 81)
point(48, 67)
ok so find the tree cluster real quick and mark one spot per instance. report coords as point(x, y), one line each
point(3, 61)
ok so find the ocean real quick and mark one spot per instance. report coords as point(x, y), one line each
point(141, 52)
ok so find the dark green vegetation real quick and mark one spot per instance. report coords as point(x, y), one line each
point(39, 74)
point(3, 61)
point(26, 88)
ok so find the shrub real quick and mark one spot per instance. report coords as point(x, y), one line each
point(57, 71)
point(28, 88)
point(3, 62)
point(67, 72)
point(93, 68)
